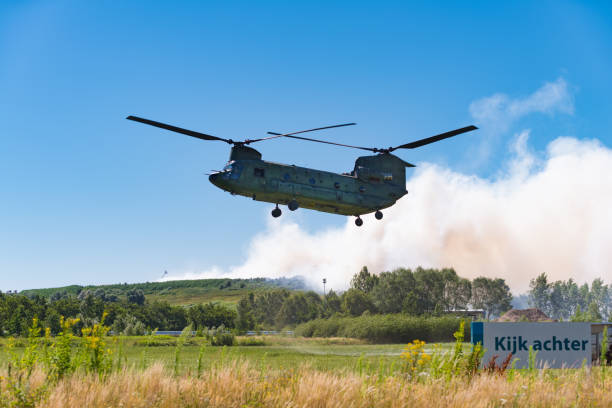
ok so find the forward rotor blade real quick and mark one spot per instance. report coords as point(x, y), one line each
point(187, 132)
point(436, 138)
point(332, 143)
point(320, 141)
point(276, 135)
point(320, 128)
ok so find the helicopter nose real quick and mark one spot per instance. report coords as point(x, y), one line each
point(218, 180)
point(214, 178)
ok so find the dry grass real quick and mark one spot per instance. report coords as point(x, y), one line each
point(239, 384)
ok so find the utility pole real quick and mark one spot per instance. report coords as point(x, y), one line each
point(324, 282)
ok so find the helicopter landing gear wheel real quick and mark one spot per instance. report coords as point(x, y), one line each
point(276, 212)
point(358, 222)
point(378, 214)
point(293, 205)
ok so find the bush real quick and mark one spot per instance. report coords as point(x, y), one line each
point(223, 339)
point(128, 325)
point(251, 341)
point(155, 341)
point(391, 328)
point(163, 340)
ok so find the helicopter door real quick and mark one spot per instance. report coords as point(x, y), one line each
point(260, 176)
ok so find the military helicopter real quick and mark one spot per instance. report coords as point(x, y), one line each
point(376, 182)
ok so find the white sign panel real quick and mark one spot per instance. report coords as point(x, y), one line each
point(557, 345)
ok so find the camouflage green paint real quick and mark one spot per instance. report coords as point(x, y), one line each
point(376, 182)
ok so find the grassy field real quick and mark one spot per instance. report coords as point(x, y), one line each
point(318, 354)
point(275, 352)
point(190, 296)
point(279, 371)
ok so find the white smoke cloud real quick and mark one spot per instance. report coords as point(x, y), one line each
point(497, 112)
point(542, 214)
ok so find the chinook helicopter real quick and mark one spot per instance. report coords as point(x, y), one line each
point(375, 183)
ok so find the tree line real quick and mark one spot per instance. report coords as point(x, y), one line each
point(566, 300)
point(120, 289)
point(419, 292)
point(132, 315)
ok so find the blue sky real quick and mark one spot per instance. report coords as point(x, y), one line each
point(89, 197)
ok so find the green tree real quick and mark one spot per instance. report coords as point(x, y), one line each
point(136, 296)
point(91, 307)
point(68, 306)
point(364, 280)
point(267, 305)
point(245, 320)
point(395, 292)
point(315, 304)
point(491, 295)
point(332, 304)
point(211, 315)
point(584, 296)
point(600, 295)
point(53, 321)
point(355, 302)
point(160, 315)
point(593, 313)
point(572, 298)
point(294, 310)
point(558, 300)
point(539, 293)
point(429, 291)
point(457, 293)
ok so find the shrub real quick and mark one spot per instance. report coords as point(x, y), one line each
point(251, 341)
point(392, 328)
point(97, 357)
point(155, 341)
point(223, 339)
point(128, 325)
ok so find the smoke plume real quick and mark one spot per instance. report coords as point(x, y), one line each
point(549, 213)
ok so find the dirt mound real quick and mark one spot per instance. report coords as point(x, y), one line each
point(524, 315)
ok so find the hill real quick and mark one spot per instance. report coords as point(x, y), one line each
point(182, 292)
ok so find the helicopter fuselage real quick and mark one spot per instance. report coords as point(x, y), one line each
point(363, 191)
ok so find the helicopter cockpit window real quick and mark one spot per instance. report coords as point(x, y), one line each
point(232, 170)
point(259, 172)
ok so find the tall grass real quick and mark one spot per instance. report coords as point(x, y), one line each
point(240, 385)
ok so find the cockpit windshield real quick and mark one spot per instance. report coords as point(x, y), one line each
point(232, 170)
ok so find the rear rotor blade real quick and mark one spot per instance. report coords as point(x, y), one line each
point(187, 132)
point(436, 138)
point(411, 145)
